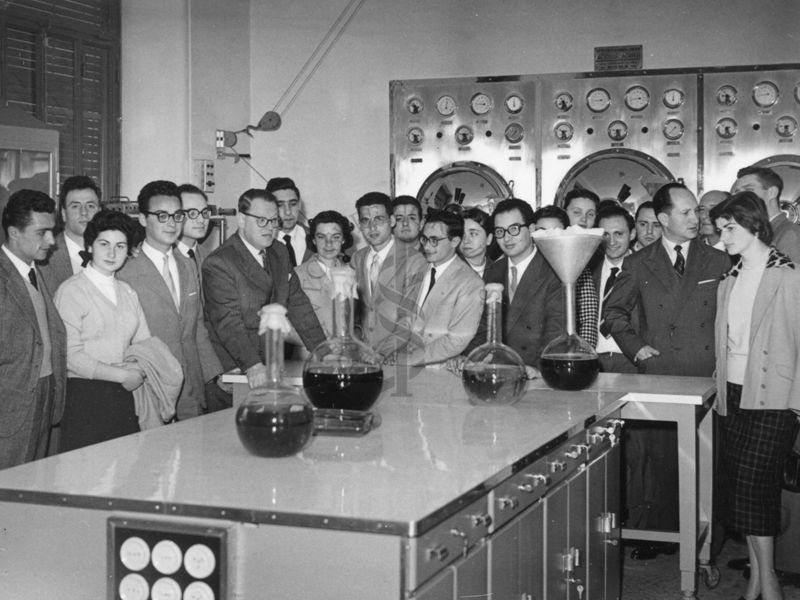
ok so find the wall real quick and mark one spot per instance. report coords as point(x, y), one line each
point(335, 138)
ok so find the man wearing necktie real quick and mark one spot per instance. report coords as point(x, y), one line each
point(194, 203)
point(246, 272)
point(292, 232)
point(449, 297)
point(32, 335)
point(661, 315)
point(169, 293)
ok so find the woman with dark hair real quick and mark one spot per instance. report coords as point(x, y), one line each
point(328, 237)
point(758, 381)
point(477, 238)
point(103, 318)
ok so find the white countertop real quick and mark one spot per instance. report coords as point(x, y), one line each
point(431, 448)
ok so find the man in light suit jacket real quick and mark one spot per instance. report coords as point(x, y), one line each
point(673, 284)
point(449, 298)
point(79, 201)
point(33, 343)
point(533, 303)
point(169, 292)
point(386, 272)
point(245, 273)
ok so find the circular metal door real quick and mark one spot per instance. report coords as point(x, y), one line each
point(788, 167)
point(466, 183)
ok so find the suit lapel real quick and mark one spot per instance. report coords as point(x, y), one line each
point(525, 289)
point(254, 271)
point(659, 265)
point(16, 286)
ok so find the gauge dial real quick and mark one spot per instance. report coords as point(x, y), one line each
point(598, 100)
point(563, 131)
point(765, 94)
point(514, 133)
point(727, 128)
point(637, 98)
point(617, 130)
point(673, 129)
point(514, 104)
point(481, 103)
point(415, 136)
point(564, 102)
point(464, 135)
point(673, 98)
point(727, 95)
point(446, 106)
point(415, 105)
point(786, 126)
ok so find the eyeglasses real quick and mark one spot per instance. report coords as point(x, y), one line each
point(500, 233)
point(364, 223)
point(179, 216)
point(263, 221)
point(193, 213)
point(433, 241)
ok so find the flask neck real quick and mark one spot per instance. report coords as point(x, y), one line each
point(569, 299)
point(342, 325)
point(494, 322)
point(273, 355)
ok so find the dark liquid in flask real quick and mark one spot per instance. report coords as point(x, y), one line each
point(569, 371)
point(494, 384)
point(274, 431)
point(345, 388)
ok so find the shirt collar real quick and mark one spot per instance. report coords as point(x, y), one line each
point(155, 255)
point(72, 247)
point(442, 267)
point(250, 248)
point(18, 263)
point(523, 264)
point(382, 254)
point(184, 248)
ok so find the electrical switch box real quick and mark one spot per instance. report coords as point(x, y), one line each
point(204, 175)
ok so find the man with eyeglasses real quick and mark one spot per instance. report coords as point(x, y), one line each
point(533, 307)
point(407, 213)
point(169, 292)
point(246, 272)
point(386, 273)
point(79, 201)
point(194, 203)
point(292, 233)
point(449, 298)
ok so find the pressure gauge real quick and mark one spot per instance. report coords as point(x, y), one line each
point(765, 94)
point(726, 95)
point(464, 135)
point(446, 106)
point(514, 104)
point(481, 103)
point(564, 102)
point(415, 105)
point(617, 131)
point(637, 98)
point(598, 100)
point(563, 131)
point(673, 129)
point(514, 133)
point(415, 136)
point(673, 98)
point(726, 128)
point(786, 126)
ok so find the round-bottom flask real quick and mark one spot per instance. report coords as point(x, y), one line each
point(275, 420)
point(569, 363)
point(494, 373)
point(343, 373)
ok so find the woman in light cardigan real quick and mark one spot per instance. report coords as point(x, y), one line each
point(758, 381)
point(103, 318)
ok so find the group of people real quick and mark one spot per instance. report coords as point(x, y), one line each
point(101, 311)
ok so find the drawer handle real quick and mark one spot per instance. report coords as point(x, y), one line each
point(481, 520)
point(507, 502)
point(437, 553)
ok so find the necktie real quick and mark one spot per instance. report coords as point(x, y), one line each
point(192, 255)
point(374, 268)
point(264, 261)
point(680, 261)
point(167, 275)
point(430, 287)
point(612, 277)
point(512, 287)
point(32, 278)
point(287, 239)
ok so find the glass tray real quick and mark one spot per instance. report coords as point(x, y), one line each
point(331, 421)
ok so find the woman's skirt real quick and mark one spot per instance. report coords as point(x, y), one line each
point(753, 448)
point(96, 411)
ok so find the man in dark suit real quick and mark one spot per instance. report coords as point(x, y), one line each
point(79, 201)
point(533, 303)
point(245, 273)
point(672, 283)
point(32, 336)
point(169, 292)
point(194, 229)
point(290, 208)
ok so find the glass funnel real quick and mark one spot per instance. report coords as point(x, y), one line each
point(568, 362)
point(494, 373)
point(275, 419)
point(343, 373)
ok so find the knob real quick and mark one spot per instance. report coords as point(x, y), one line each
point(576, 450)
point(481, 520)
point(438, 553)
point(508, 502)
point(557, 465)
